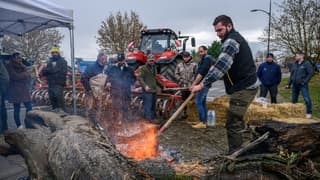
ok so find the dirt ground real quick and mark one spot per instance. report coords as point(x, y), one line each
point(187, 144)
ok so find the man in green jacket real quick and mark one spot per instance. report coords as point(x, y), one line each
point(148, 80)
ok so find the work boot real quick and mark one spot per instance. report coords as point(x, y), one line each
point(234, 126)
point(200, 125)
point(192, 122)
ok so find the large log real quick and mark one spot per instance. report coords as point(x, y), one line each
point(291, 151)
point(287, 138)
point(68, 147)
point(33, 145)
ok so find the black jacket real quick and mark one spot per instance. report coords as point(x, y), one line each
point(301, 73)
point(56, 72)
point(242, 73)
point(121, 79)
point(91, 71)
point(204, 65)
point(4, 78)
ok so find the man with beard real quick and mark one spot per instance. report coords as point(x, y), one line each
point(236, 66)
point(121, 78)
point(56, 74)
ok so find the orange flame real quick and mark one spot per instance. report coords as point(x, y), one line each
point(139, 142)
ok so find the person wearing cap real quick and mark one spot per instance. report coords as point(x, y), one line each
point(18, 90)
point(184, 73)
point(269, 74)
point(56, 75)
point(121, 77)
point(301, 73)
point(92, 71)
point(147, 77)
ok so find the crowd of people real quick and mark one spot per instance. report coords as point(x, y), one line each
point(235, 65)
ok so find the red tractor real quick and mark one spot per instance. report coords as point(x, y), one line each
point(164, 46)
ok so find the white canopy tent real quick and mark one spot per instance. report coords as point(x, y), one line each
point(21, 16)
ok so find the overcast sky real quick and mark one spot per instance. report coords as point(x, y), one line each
point(189, 16)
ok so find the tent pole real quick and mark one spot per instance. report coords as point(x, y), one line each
point(74, 97)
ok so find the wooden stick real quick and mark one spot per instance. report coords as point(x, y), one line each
point(177, 89)
point(249, 146)
point(173, 117)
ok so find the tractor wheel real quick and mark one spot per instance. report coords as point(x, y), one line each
point(168, 70)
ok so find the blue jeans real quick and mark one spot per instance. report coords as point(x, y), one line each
point(16, 110)
point(296, 88)
point(201, 103)
point(3, 115)
point(149, 105)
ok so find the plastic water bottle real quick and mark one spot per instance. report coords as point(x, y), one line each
point(211, 118)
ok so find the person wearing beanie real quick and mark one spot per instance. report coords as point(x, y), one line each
point(184, 73)
point(56, 75)
point(269, 74)
point(121, 77)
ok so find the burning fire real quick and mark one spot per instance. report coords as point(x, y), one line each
point(139, 140)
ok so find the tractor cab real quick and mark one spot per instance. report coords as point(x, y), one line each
point(161, 43)
point(164, 47)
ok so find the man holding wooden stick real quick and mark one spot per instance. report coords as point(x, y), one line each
point(236, 66)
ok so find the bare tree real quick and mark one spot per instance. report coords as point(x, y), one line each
point(118, 30)
point(34, 45)
point(297, 29)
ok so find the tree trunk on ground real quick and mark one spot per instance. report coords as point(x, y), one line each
point(291, 151)
point(287, 138)
point(68, 147)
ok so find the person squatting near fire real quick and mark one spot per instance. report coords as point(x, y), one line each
point(201, 97)
point(121, 77)
point(269, 74)
point(18, 90)
point(56, 75)
point(301, 74)
point(93, 71)
point(236, 66)
point(184, 73)
point(4, 83)
point(147, 77)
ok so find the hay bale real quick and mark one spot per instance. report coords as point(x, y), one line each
point(284, 112)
